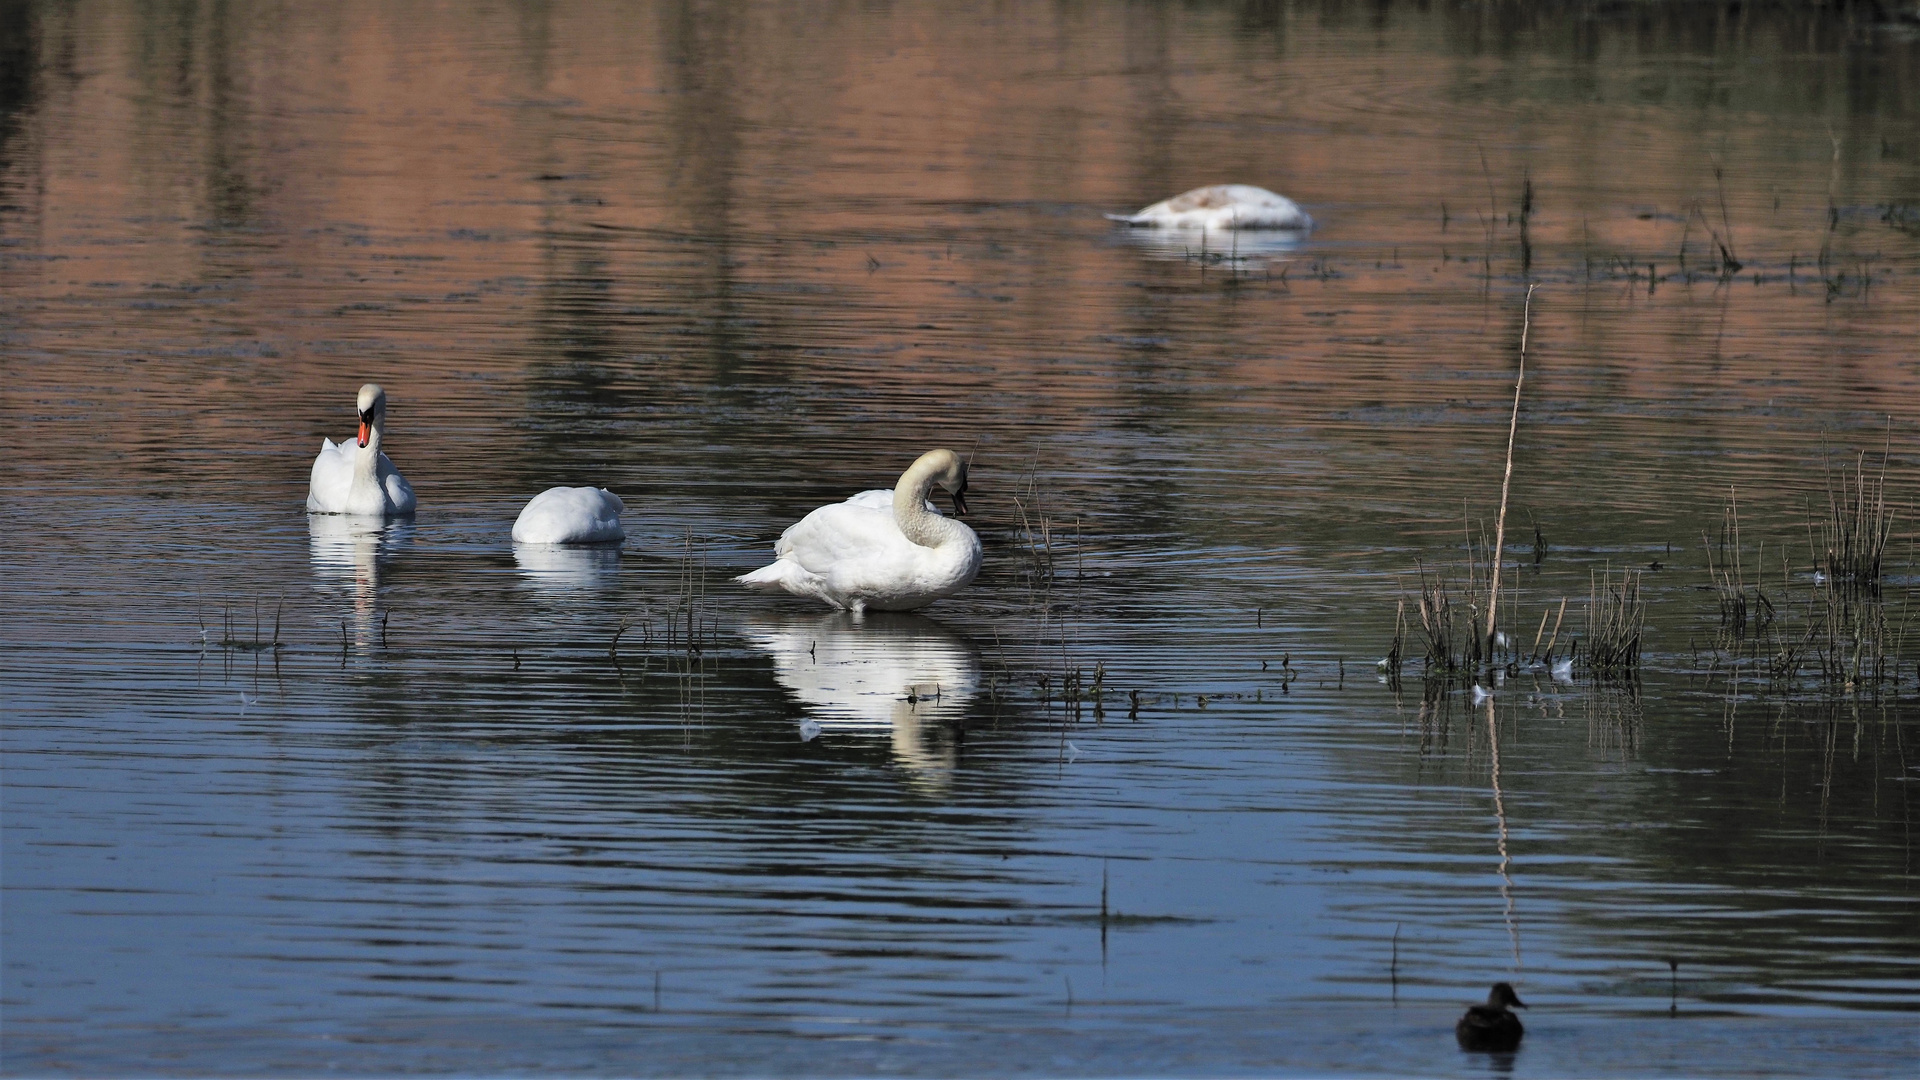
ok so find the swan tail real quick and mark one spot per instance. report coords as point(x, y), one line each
point(785, 575)
point(772, 577)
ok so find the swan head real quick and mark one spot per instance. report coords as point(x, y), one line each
point(373, 409)
point(950, 472)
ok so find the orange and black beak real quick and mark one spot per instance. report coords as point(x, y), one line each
point(960, 499)
point(366, 426)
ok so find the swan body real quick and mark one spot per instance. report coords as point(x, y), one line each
point(570, 515)
point(885, 550)
point(1222, 206)
point(1492, 1026)
point(357, 478)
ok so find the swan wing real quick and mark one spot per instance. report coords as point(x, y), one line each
point(841, 533)
point(332, 476)
point(880, 499)
point(399, 492)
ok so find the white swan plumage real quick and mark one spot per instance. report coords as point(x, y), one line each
point(1222, 206)
point(570, 515)
point(884, 550)
point(360, 479)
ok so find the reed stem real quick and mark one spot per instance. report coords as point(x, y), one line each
point(1506, 479)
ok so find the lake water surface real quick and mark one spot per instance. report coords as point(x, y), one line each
point(496, 811)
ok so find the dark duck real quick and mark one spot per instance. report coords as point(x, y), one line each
point(1492, 1026)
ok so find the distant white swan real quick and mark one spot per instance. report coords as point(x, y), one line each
point(570, 515)
point(360, 480)
point(1222, 206)
point(884, 550)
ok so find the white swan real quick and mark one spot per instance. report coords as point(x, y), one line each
point(570, 515)
point(362, 480)
point(1222, 206)
point(884, 550)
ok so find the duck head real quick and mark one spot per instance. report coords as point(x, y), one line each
point(1502, 996)
point(373, 410)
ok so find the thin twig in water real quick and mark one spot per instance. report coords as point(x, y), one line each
point(1513, 426)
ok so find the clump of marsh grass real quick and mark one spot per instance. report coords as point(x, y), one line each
point(1036, 532)
point(1854, 643)
point(1450, 638)
point(1842, 632)
point(1853, 537)
point(1616, 624)
point(1743, 607)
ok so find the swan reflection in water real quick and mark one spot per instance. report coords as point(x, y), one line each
point(1215, 245)
point(346, 549)
point(886, 673)
point(561, 568)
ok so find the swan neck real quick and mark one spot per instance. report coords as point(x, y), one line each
point(367, 461)
point(917, 523)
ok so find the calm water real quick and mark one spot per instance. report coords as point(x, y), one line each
point(737, 261)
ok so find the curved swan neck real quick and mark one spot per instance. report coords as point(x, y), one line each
point(917, 523)
point(367, 460)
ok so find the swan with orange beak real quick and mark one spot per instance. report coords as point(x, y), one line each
point(357, 478)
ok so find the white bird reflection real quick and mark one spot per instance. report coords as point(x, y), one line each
point(347, 549)
point(888, 673)
point(1215, 245)
point(568, 567)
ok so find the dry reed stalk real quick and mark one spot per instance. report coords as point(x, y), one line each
point(1556, 628)
point(1506, 479)
point(1399, 639)
point(1039, 539)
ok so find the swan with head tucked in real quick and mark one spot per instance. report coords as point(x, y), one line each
point(570, 515)
point(360, 480)
point(881, 550)
point(1222, 206)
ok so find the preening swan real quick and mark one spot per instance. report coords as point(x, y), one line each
point(884, 550)
point(1222, 206)
point(360, 480)
point(570, 515)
